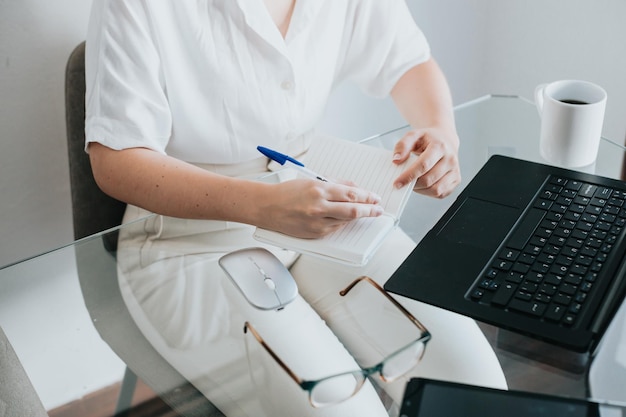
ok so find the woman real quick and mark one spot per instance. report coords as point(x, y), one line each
point(179, 94)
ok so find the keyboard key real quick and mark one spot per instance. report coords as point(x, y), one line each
point(603, 192)
point(553, 279)
point(543, 204)
point(572, 215)
point(588, 251)
point(568, 289)
point(608, 217)
point(593, 210)
point(491, 273)
point(477, 294)
point(520, 268)
point(573, 185)
point(588, 217)
point(600, 202)
point(587, 190)
point(569, 319)
point(502, 265)
point(529, 287)
point(568, 193)
point(534, 276)
point(554, 216)
point(548, 289)
point(533, 308)
point(570, 251)
point(579, 269)
point(514, 277)
point(504, 294)
point(582, 200)
point(573, 279)
point(509, 254)
point(527, 258)
point(546, 258)
point(562, 299)
point(555, 312)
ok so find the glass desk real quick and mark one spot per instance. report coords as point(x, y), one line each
point(59, 324)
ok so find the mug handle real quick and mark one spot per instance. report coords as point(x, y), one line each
point(539, 97)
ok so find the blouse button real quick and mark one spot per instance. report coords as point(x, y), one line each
point(286, 85)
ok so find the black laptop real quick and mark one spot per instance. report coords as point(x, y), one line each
point(527, 247)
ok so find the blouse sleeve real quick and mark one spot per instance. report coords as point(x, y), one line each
point(384, 42)
point(126, 104)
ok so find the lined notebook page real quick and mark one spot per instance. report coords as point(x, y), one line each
point(369, 168)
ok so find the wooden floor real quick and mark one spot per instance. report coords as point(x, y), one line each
point(102, 403)
point(542, 377)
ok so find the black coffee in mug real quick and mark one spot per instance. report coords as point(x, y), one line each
point(573, 101)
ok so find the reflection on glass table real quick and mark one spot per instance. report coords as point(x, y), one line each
point(49, 314)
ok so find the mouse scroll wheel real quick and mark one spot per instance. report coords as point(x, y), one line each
point(270, 283)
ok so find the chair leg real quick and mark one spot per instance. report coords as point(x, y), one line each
point(127, 390)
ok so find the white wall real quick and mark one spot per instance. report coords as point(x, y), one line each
point(36, 37)
point(536, 41)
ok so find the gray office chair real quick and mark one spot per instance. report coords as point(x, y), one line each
point(17, 394)
point(93, 212)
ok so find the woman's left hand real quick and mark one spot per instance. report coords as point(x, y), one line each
point(437, 165)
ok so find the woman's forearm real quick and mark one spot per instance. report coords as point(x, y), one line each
point(423, 97)
point(168, 186)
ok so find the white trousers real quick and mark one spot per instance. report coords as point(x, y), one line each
point(189, 310)
point(194, 317)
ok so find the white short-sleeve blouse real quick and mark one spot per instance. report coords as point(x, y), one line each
point(207, 81)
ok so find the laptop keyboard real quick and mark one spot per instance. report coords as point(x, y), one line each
point(549, 265)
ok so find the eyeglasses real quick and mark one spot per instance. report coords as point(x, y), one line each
point(337, 388)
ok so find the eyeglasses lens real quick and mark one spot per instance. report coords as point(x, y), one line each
point(336, 389)
point(402, 361)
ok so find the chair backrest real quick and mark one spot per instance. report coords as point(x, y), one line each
point(17, 394)
point(92, 210)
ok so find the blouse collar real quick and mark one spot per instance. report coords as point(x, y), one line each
point(259, 20)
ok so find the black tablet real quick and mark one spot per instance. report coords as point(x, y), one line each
point(432, 398)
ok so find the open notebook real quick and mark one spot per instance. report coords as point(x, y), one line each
point(370, 168)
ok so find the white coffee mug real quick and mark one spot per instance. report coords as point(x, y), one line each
point(572, 114)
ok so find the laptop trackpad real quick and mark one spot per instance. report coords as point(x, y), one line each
point(479, 223)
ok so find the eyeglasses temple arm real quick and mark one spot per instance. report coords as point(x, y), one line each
point(257, 336)
point(390, 298)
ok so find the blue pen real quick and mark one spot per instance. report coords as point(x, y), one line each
point(293, 163)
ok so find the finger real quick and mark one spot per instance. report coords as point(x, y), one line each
point(416, 170)
point(321, 227)
point(406, 145)
point(350, 211)
point(440, 188)
point(425, 162)
point(350, 194)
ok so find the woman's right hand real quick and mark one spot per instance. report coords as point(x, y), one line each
point(311, 208)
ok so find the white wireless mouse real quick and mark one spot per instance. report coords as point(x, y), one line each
point(260, 276)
